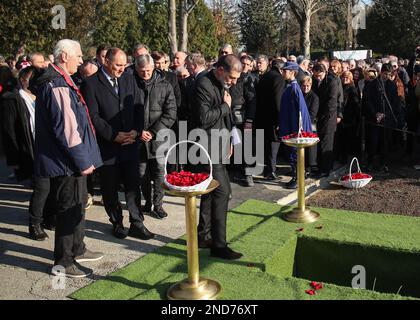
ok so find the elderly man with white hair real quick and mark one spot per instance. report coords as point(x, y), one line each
point(66, 152)
point(160, 113)
point(352, 64)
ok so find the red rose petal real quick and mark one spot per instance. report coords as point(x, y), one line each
point(310, 292)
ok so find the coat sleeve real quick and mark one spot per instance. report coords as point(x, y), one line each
point(207, 114)
point(340, 100)
point(250, 96)
point(314, 107)
point(169, 111)
point(65, 128)
point(102, 127)
point(332, 100)
point(138, 108)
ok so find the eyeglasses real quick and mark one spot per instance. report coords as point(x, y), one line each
point(224, 52)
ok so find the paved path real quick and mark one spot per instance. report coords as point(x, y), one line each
point(25, 264)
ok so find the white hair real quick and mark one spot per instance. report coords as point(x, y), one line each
point(65, 45)
point(378, 66)
point(144, 60)
point(361, 64)
point(385, 60)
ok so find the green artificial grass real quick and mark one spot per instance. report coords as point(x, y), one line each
point(280, 259)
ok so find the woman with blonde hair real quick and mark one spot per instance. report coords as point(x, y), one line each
point(348, 130)
point(312, 102)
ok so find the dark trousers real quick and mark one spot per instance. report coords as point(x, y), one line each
point(380, 140)
point(41, 205)
point(70, 196)
point(311, 156)
point(213, 210)
point(325, 151)
point(110, 178)
point(152, 170)
point(271, 149)
point(90, 184)
point(292, 158)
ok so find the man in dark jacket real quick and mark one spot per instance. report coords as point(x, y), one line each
point(327, 89)
point(212, 105)
point(269, 92)
point(159, 114)
point(382, 110)
point(115, 107)
point(66, 151)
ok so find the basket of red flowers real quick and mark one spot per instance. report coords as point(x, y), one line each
point(187, 181)
point(302, 137)
point(355, 180)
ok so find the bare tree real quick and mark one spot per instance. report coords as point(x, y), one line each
point(187, 7)
point(303, 10)
point(173, 41)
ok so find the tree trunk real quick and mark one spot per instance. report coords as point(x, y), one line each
point(355, 31)
point(173, 43)
point(305, 34)
point(184, 31)
point(349, 33)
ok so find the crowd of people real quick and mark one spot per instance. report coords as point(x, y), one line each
point(67, 124)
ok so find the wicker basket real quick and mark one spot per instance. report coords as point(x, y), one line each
point(354, 183)
point(202, 186)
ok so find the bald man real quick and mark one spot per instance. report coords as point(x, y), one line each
point(114, 105)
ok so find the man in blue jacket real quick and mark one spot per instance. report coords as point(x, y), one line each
point(66, 151)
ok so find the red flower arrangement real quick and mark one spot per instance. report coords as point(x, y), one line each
point(356, 176)
point(303, 134)
point(186, 178)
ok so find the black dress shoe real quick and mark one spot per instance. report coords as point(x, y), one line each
point(138, 230)
point(160, 213)
point(321, 175)
point(292, 184)
point(225, 253)
point(36, 232)
point(205, 244)
point(147, 208)
point(119, 231)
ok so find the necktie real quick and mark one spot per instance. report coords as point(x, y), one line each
point(115, 84)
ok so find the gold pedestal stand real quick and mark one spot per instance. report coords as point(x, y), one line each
point(301, 214)
point(194, 287)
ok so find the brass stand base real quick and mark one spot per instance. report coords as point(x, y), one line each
point(206, 290)
point(297, 216)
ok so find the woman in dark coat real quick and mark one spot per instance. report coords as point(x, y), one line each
point(18, 128)
point(348, 132)
point(17, 131)
point(312, 102)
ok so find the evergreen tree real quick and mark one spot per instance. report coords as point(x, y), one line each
point(260, 25)
point(392, 26)
point(29, 22)
point(202, 32)
point(155, 25)
point(118, 24)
